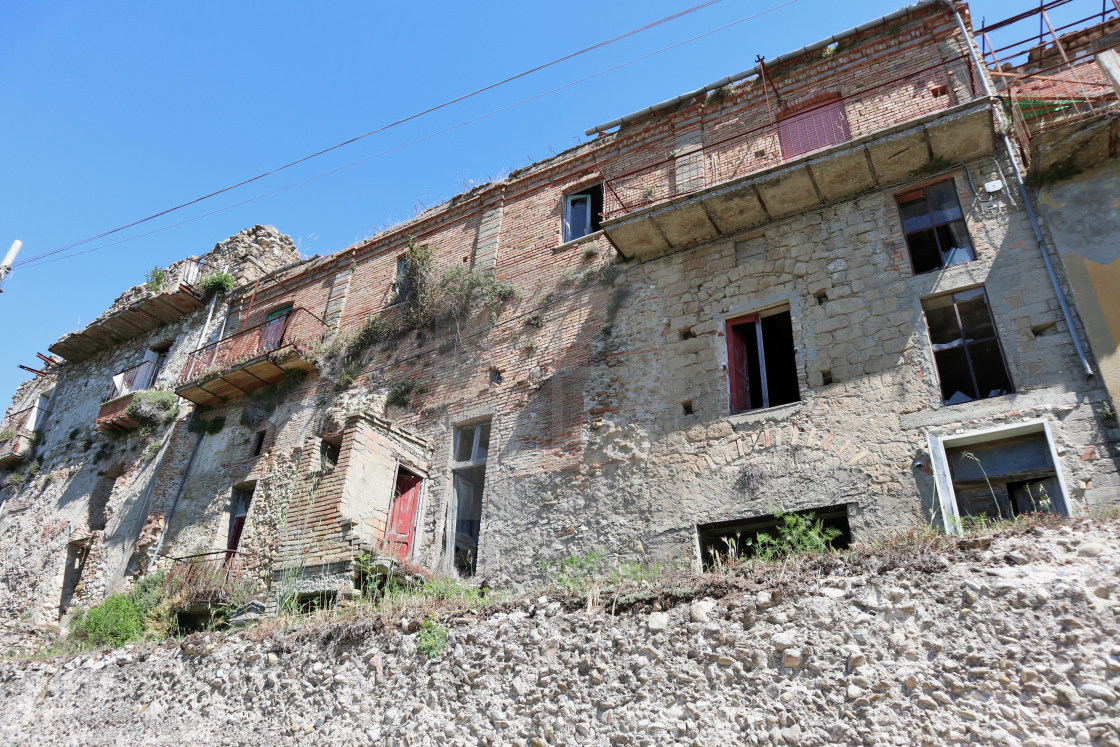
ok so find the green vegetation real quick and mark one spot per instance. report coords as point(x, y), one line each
point(796, 534)
point(122, 618)
point(717, 95)
point(16, 479)
point(935, 166)
point(432, 640)
point(212, 425)
point(573, 572)
point(217, 284)
point(155, 279)
point(151, 408)
point(1051, 175)
point(7, 433)
point(400, 393)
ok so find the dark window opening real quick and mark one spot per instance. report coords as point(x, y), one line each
point(814, 128)
point(402, 283)
point(739, 538)
point(189, 621)
point(472, 442)
point(966, 349)
point(933, 223)
point(495, 376)
point(330, 448)
point(238, 511)
point(1003, 479)
point(76, 555)
point(469, 484)
point(99, 501)
point(761, 362)
point(258, 443)
point(583, 212)
point(316, 601)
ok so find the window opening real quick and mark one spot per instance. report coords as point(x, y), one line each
point(402, 515)
point(582, 212)
point(936, 234)
point(330, 448)
point(258, 443)
point(316, 601)
point(472, 443)
point(966, 348)
point(761, 362)
point(402, 286)
point(239, 510)
point(814, 128)
point(739, 538)
point(272, 333)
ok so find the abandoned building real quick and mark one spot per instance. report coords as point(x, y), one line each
point(820, 285)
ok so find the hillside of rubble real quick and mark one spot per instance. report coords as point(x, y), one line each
point(1004, 640)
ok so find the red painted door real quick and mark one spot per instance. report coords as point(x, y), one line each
point(402, 516)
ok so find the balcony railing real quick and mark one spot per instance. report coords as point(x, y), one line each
point(131, 380)
point(298, 329)
point(748, 149)
point(17, 433)
point(210, 577)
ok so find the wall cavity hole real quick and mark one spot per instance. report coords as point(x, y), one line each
point(687, 407)
point(495, 375)
point(821, 296)
point(687, 333)
point(1046, 328)
point(826, 376)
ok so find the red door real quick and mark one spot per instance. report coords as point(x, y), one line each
point(402, 516)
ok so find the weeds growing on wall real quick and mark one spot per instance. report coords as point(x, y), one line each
point(217, 284)
point(400, 393)
point(212, 425)
point(1056, 172)
point(155, 279)
point(152, 407)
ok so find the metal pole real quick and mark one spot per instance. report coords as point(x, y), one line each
point(1066, 314)
point(9, 260)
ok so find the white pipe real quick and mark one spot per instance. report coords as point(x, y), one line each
point(982, 72)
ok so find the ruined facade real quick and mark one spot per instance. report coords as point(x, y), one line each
point(816, 287)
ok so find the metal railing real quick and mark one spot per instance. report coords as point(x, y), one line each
point(209, 577)
point(1051, 78)
point(752, 143)
point(24, 422)
point(131, 380)
point(299, 328)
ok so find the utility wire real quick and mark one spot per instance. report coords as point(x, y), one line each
point(44, 258)
point(382, 128)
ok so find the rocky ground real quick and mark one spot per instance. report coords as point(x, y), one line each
point(1012, 644)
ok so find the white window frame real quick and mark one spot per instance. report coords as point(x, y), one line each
point(940, 443)
point(568, 200)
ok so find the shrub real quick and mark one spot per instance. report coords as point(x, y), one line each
point(155, 279)
point(217, 284)
point(151, 407)
point(210, 425)
point(432, 639)
point(400, 392)
point(16, 479)
point(121, 618)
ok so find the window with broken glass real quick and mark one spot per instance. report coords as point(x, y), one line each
point(966, 348)
point(471, 445)
point(936, 235)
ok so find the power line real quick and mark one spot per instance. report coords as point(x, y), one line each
point(43, 258)
point(382, 128)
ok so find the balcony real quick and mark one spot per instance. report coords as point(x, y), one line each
point(251, 359)
point(17, 435)
point(891, 132)
point(154, 310)
point(114, 410)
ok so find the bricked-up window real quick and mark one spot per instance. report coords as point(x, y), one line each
point(471, 447)
point(936, 235)
point(582, 212)
point(761, 363)
point(814, 128)
point(966, 349)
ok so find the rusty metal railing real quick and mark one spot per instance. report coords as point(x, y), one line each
point(753, 142)
point(299, 327)
point(209, 577)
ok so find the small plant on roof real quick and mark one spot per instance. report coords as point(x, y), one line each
point(155, 279)
point(717, 95)
point(217, 284)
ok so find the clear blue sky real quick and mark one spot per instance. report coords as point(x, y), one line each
point(114, 111)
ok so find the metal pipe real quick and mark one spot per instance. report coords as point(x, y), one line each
point(1042, 245)
point(757, 68)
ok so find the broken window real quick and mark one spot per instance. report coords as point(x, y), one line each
point(403, 512)
point(933, 223)
point(472, 443)
point(813, 128)
point(330, 448)
point(238, 511)
point(740, 537)
point(402, 284)
point(966, 349)
point(997, 474)
point(582, 212)
point(76, 555)
point(258, 443)
point(761, 364)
